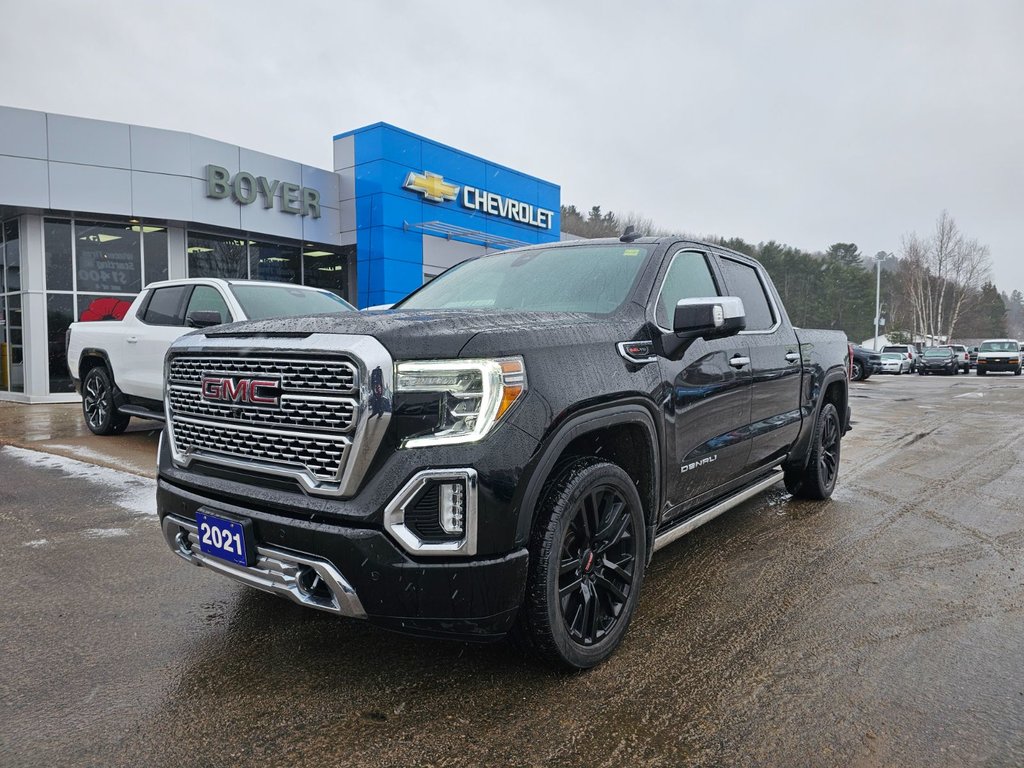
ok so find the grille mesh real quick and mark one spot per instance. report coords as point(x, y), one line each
point(336, 376)
point(322, 457)
point(307, 432)
point(334, 414)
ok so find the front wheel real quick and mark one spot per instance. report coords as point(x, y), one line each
point(98, 407)
point(982, 372)
point(856, 371)
point(587, 556)
point(818, 479)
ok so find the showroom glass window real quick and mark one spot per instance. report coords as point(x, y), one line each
point(234, 258)
point(217, 256)
point(12, 351)
point(94, 270)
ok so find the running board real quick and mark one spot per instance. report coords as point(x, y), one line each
point(666, 538)
point(142, 413)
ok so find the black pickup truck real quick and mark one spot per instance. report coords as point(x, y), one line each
point(502, 452)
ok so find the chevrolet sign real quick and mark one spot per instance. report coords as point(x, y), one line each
point(433, 187)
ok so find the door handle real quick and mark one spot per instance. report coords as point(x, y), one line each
point(132, 339)
point(793, 357)
point(739, 362)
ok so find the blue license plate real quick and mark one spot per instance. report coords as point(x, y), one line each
point(222, 538)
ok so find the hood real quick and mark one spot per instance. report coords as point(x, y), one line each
point(409, 334)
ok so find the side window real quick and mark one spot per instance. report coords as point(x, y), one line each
point(688, 277)
point(206, 298)
point(742, 280)
point(166, 306)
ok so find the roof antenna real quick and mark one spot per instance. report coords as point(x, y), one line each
point(630, 235)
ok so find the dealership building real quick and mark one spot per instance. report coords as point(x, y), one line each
point(93, 210)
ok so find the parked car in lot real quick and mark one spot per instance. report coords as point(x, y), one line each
point(962, 355)
point(938, 360)
point(505, 449)
point(908, 350)
point(118, 365)
point(895, 362)
point(866, 362)
point(999, 355)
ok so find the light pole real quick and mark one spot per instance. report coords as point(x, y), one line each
point(878, 295)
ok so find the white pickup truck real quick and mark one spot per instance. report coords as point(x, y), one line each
point(118, 365)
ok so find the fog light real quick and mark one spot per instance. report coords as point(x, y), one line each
point(451, 507)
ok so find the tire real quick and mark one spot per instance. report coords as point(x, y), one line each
point(818, 479)
point(857, 371)
point(1017, 372)
point(98, 408)
point(576, 610)
point(981, 372)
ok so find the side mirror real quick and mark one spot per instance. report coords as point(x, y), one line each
point(710, 317)
point(204, 318)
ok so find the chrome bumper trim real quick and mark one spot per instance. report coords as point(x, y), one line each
point(394, 514)
point(276, 571)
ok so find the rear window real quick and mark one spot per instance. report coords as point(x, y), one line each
point(938, 352)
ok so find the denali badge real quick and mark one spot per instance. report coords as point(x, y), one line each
point(699, 463)
point(234, 389)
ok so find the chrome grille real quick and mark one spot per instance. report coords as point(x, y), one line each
point(336, 414)
point(335, 376)
point(309, 432)
point(321, 456)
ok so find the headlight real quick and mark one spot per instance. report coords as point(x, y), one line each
point(475, 394)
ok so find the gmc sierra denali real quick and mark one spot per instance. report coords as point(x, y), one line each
point(503, 451)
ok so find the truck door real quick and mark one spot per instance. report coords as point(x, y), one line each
point(162, 321)
point(705, 390)
point(774, 361)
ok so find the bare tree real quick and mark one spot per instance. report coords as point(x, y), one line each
point(941, 274)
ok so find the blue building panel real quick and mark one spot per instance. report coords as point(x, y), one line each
point(389, 250)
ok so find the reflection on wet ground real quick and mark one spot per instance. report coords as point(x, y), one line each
point(61, 429)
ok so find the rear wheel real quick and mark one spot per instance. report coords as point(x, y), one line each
point(856, 371)
point(818, 479)
point(98, 407)
point(982, 371)
point(587, 557)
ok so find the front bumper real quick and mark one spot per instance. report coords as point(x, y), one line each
point(367, 574)
point(1007, 364)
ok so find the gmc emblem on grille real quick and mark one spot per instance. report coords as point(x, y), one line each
point(235, 389)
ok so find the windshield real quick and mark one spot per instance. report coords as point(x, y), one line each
point(999, 346)
point(595, 279)
point(938, 352)
point(261, 302)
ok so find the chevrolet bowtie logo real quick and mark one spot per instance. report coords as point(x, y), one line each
point(432, 186)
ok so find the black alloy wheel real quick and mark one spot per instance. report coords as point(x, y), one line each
point(98, 407)
point(818, 479)
point(587, 559)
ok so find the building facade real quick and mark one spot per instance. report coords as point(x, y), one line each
point(92, 211)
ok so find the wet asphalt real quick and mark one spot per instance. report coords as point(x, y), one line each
point(884, 627)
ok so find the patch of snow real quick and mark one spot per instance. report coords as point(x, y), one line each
point(82, 451)
point(970, 394)
point(131, 492)
point(36, 544)
point(105, 533)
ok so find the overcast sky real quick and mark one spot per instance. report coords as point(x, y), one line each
point(803, 122)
